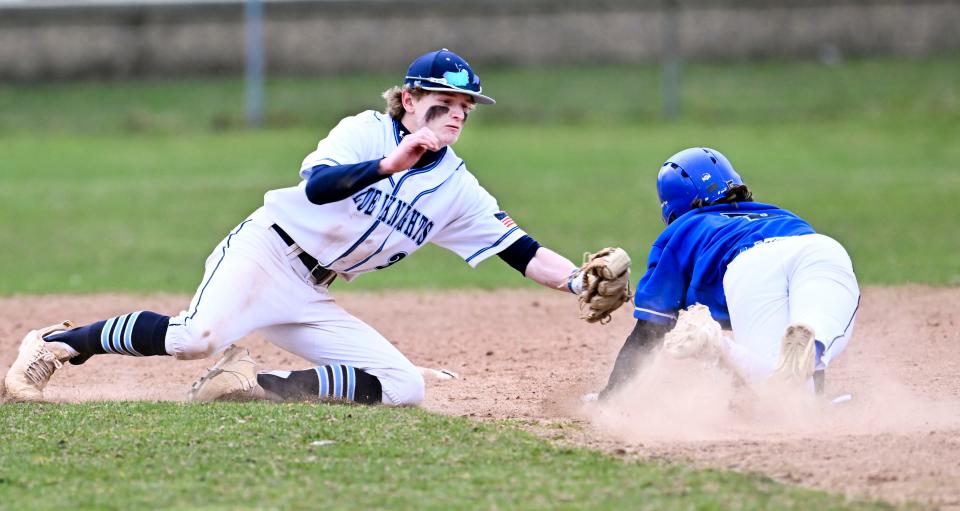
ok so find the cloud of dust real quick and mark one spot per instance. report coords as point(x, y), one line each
point(683, 400)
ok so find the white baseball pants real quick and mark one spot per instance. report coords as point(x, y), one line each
point(798, 279)
point(254, 282)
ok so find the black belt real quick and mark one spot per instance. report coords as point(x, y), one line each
point(320, 275)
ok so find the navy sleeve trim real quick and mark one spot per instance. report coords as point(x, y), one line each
point(519, 254)
point(499, 241)
point(330, 183)
point(653, 316)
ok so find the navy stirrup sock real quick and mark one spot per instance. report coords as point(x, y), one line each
point(139, 334)
point(335, 381)
point(819, 385)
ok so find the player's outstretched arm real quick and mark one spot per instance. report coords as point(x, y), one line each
point(550, 269)
point(602, 283)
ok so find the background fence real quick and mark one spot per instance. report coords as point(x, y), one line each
point(62, 40)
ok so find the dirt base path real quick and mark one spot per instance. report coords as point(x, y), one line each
point(522, 354)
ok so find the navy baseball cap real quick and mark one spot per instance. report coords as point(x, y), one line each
point(445, 71)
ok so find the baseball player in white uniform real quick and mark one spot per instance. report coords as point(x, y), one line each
point(376, 189)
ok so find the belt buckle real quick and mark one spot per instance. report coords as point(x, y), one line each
point(322, 276)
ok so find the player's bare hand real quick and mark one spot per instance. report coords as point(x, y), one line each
point(411, 148)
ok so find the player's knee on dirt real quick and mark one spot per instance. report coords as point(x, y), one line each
point(191, 342)
point(403, 387)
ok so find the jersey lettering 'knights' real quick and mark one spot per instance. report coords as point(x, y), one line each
point(395, 213)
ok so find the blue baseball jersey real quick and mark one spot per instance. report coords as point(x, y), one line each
point(690, 257)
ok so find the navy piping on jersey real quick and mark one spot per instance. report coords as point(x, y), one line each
point(396, 131)
point(365, 259)
point(335, 162)
point(846, 328)
point(356, 244)
point(196, 308)
point(415, 171)
point(482, 250)
point(425, 192)
point(415, 199)
point(397, 138)
point(396, 189)
point(322, 165)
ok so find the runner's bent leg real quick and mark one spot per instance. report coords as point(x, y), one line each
point(824, 294)
point(755, 286)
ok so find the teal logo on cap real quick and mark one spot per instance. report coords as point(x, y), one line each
point(458, 79)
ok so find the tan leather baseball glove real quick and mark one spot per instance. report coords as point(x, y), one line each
point(605, 279)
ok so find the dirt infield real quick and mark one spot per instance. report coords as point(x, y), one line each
point(522, 354)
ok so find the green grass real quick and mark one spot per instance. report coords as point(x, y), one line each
point(262, 456)
point(141, 213)
point(767, 92)
point(128, 186)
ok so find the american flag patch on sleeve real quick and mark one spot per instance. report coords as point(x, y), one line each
point(505, 218)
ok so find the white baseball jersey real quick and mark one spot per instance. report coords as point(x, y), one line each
point(254, 281)
point(442, 203)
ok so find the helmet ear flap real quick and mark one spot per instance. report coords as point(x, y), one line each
point(676, 190)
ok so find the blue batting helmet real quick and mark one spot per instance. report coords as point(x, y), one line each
point(445, 71)
point(695, 173)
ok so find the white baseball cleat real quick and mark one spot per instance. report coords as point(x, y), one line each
point(232, 377)
point(439, 374)
point(841, 399)
point(36, 362)
point(696, 335)
point(797, 349)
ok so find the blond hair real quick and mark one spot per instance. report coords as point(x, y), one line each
point(394, 98)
